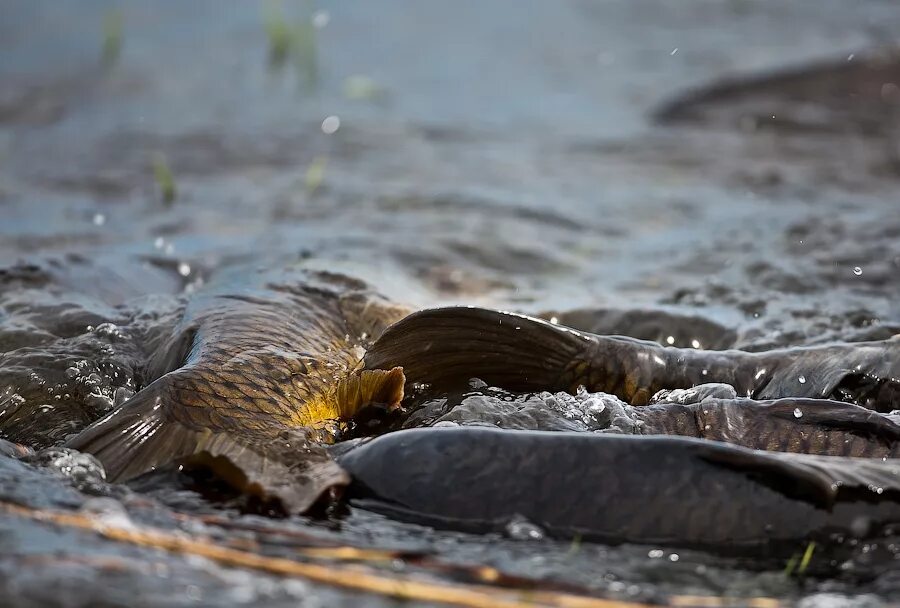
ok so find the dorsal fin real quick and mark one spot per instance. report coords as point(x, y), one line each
point(445, 347)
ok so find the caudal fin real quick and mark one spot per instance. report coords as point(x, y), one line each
point(445, 347)
point(147, 432)
point(139, 436)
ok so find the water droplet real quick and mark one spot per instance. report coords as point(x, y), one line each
point(320, 19)
point(695, 343)
point(673, 557)
point(857, 270)
point(850, 57)
point(184, 269)
point(99, 219)
point(330, 125)
point(520, 528)
point(554, 320)
point(670, 340)
point(159, 243)
point(675, 50)
point(802, 379)
point(655, 553)
point(798, 413)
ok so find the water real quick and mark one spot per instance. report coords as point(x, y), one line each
point(501, 155)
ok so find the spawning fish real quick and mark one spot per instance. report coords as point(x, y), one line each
point(247, 381)
point(620, 488)
point(445, 347)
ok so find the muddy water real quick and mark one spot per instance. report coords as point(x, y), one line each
point(539, 156)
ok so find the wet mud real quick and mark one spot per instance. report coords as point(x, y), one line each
point(711, 176)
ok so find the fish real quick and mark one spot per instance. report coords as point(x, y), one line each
point(801, 425)
point(617, 488)
point(445, 347)
point(708, 411)
point(248, 383)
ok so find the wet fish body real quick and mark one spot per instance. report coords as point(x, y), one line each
point(804, 426)
point(445, 347)
point(245, 379)
point(610, 488)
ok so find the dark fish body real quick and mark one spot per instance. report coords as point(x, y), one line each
point(804, 426)
point(246, 377)
point(611, 488)
point(445, 347)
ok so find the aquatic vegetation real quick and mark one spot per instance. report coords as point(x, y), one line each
point(279, 34)
point(164, 179)
point(360, 87)
point(112, 37)
point(295, 41)
point(798, 563)
point(315, 175)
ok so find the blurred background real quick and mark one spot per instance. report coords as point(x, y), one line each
point(541, 154)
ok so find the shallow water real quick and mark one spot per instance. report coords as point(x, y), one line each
point(540, 156)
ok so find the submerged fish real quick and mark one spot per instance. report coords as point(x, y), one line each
point(445, 347)
point(616, 488)
point(246, 382)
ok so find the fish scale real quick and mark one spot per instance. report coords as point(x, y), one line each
point(264, 371)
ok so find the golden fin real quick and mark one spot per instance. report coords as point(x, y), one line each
point(370, 387)
point(350, 395)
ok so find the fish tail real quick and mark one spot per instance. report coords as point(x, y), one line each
point(446, 347)
point(152, 430)
point(136, 437)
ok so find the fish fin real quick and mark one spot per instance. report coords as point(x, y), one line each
point(288, 468)
point(836, 415)
point(446, 347)
point(370, 387)
point(816, 479)
point(788, 475)
point(145, 434)
point(852, 476)
point(139, 436)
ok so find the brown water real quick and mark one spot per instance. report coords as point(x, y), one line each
point(536, 156)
